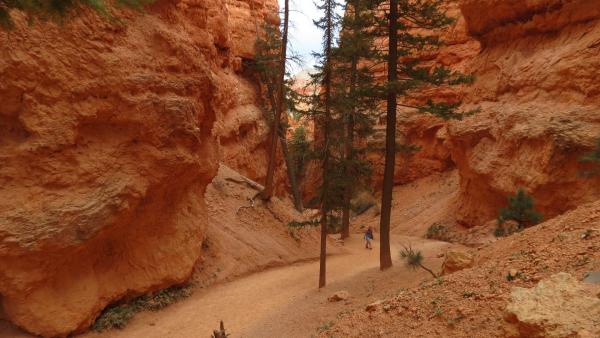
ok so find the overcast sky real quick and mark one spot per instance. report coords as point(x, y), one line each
point(304, 36)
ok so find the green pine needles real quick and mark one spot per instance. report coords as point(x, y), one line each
point(521, 209)
point(57, 10)
point(414, 260)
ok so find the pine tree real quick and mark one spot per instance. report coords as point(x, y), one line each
point(406, 19)
point(355, 91)
point(280, 105)
point(322, 110)
point(521, 209)
point(57, 9)
point(266, 66)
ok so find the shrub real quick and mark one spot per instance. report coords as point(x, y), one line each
point(118, 316)
point(437, 231)
point(57, 10)
point(520, 209)
point(115, 317)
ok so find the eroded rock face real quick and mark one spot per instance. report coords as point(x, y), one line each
point(107, 142)
point(537, 90)
point(559, 306)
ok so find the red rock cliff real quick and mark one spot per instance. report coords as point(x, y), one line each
point(535, 64)
point(540, 109)
point(109, 135)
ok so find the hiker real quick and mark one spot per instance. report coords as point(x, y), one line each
point(369, 238)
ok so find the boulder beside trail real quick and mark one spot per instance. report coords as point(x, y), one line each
point(559, 306)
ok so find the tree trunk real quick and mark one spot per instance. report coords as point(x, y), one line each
point(268, 192)
point(385, 257)
point(291, 172)
point(323, 254)
point(297, 196)
point(327, 120)
point(349, 146)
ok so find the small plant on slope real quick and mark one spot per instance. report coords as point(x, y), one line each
point(414, 260)
point(521, 209)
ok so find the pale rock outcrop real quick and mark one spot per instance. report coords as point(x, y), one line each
point(456, 261)
point(107, 142)
point(559, 306)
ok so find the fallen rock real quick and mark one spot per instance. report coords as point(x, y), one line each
point(374, 306)
point(339, 296)
point(559, 306)
point(456, 261)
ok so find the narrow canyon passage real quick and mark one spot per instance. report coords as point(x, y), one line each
point(284, 302)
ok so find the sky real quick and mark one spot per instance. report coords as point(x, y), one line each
point(304, 37)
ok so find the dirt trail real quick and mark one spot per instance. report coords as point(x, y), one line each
point(283, 302)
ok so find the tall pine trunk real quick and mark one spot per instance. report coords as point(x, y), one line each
point(327, 121)
point(349, 146)
point(268, 192)
point(385, 257)
point(292, 177)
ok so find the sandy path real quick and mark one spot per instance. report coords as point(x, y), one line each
point(282, 302)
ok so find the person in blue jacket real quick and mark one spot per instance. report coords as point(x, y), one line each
point(368, 238)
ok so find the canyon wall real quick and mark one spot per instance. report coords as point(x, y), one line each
point(540, 106)
point(109, 134)
point(535, 64)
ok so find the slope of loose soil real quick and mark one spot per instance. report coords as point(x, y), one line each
point(474, 300)
point(417, 205)
point(245, 236)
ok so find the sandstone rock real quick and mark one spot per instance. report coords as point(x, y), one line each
point(557, 307)
point(108, 139)
point(538, 111)
point(456, 261)
point(374, 306)
point(339, 296)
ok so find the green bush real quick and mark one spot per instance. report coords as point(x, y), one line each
point(57, 10)
point(437, 231)
point(521, 209)
point(117, 316)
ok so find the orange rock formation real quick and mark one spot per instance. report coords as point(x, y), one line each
point(535, 64)
point(540, 109)
point(109, 134)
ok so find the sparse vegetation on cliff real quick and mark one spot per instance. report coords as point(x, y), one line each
point(57, 10)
